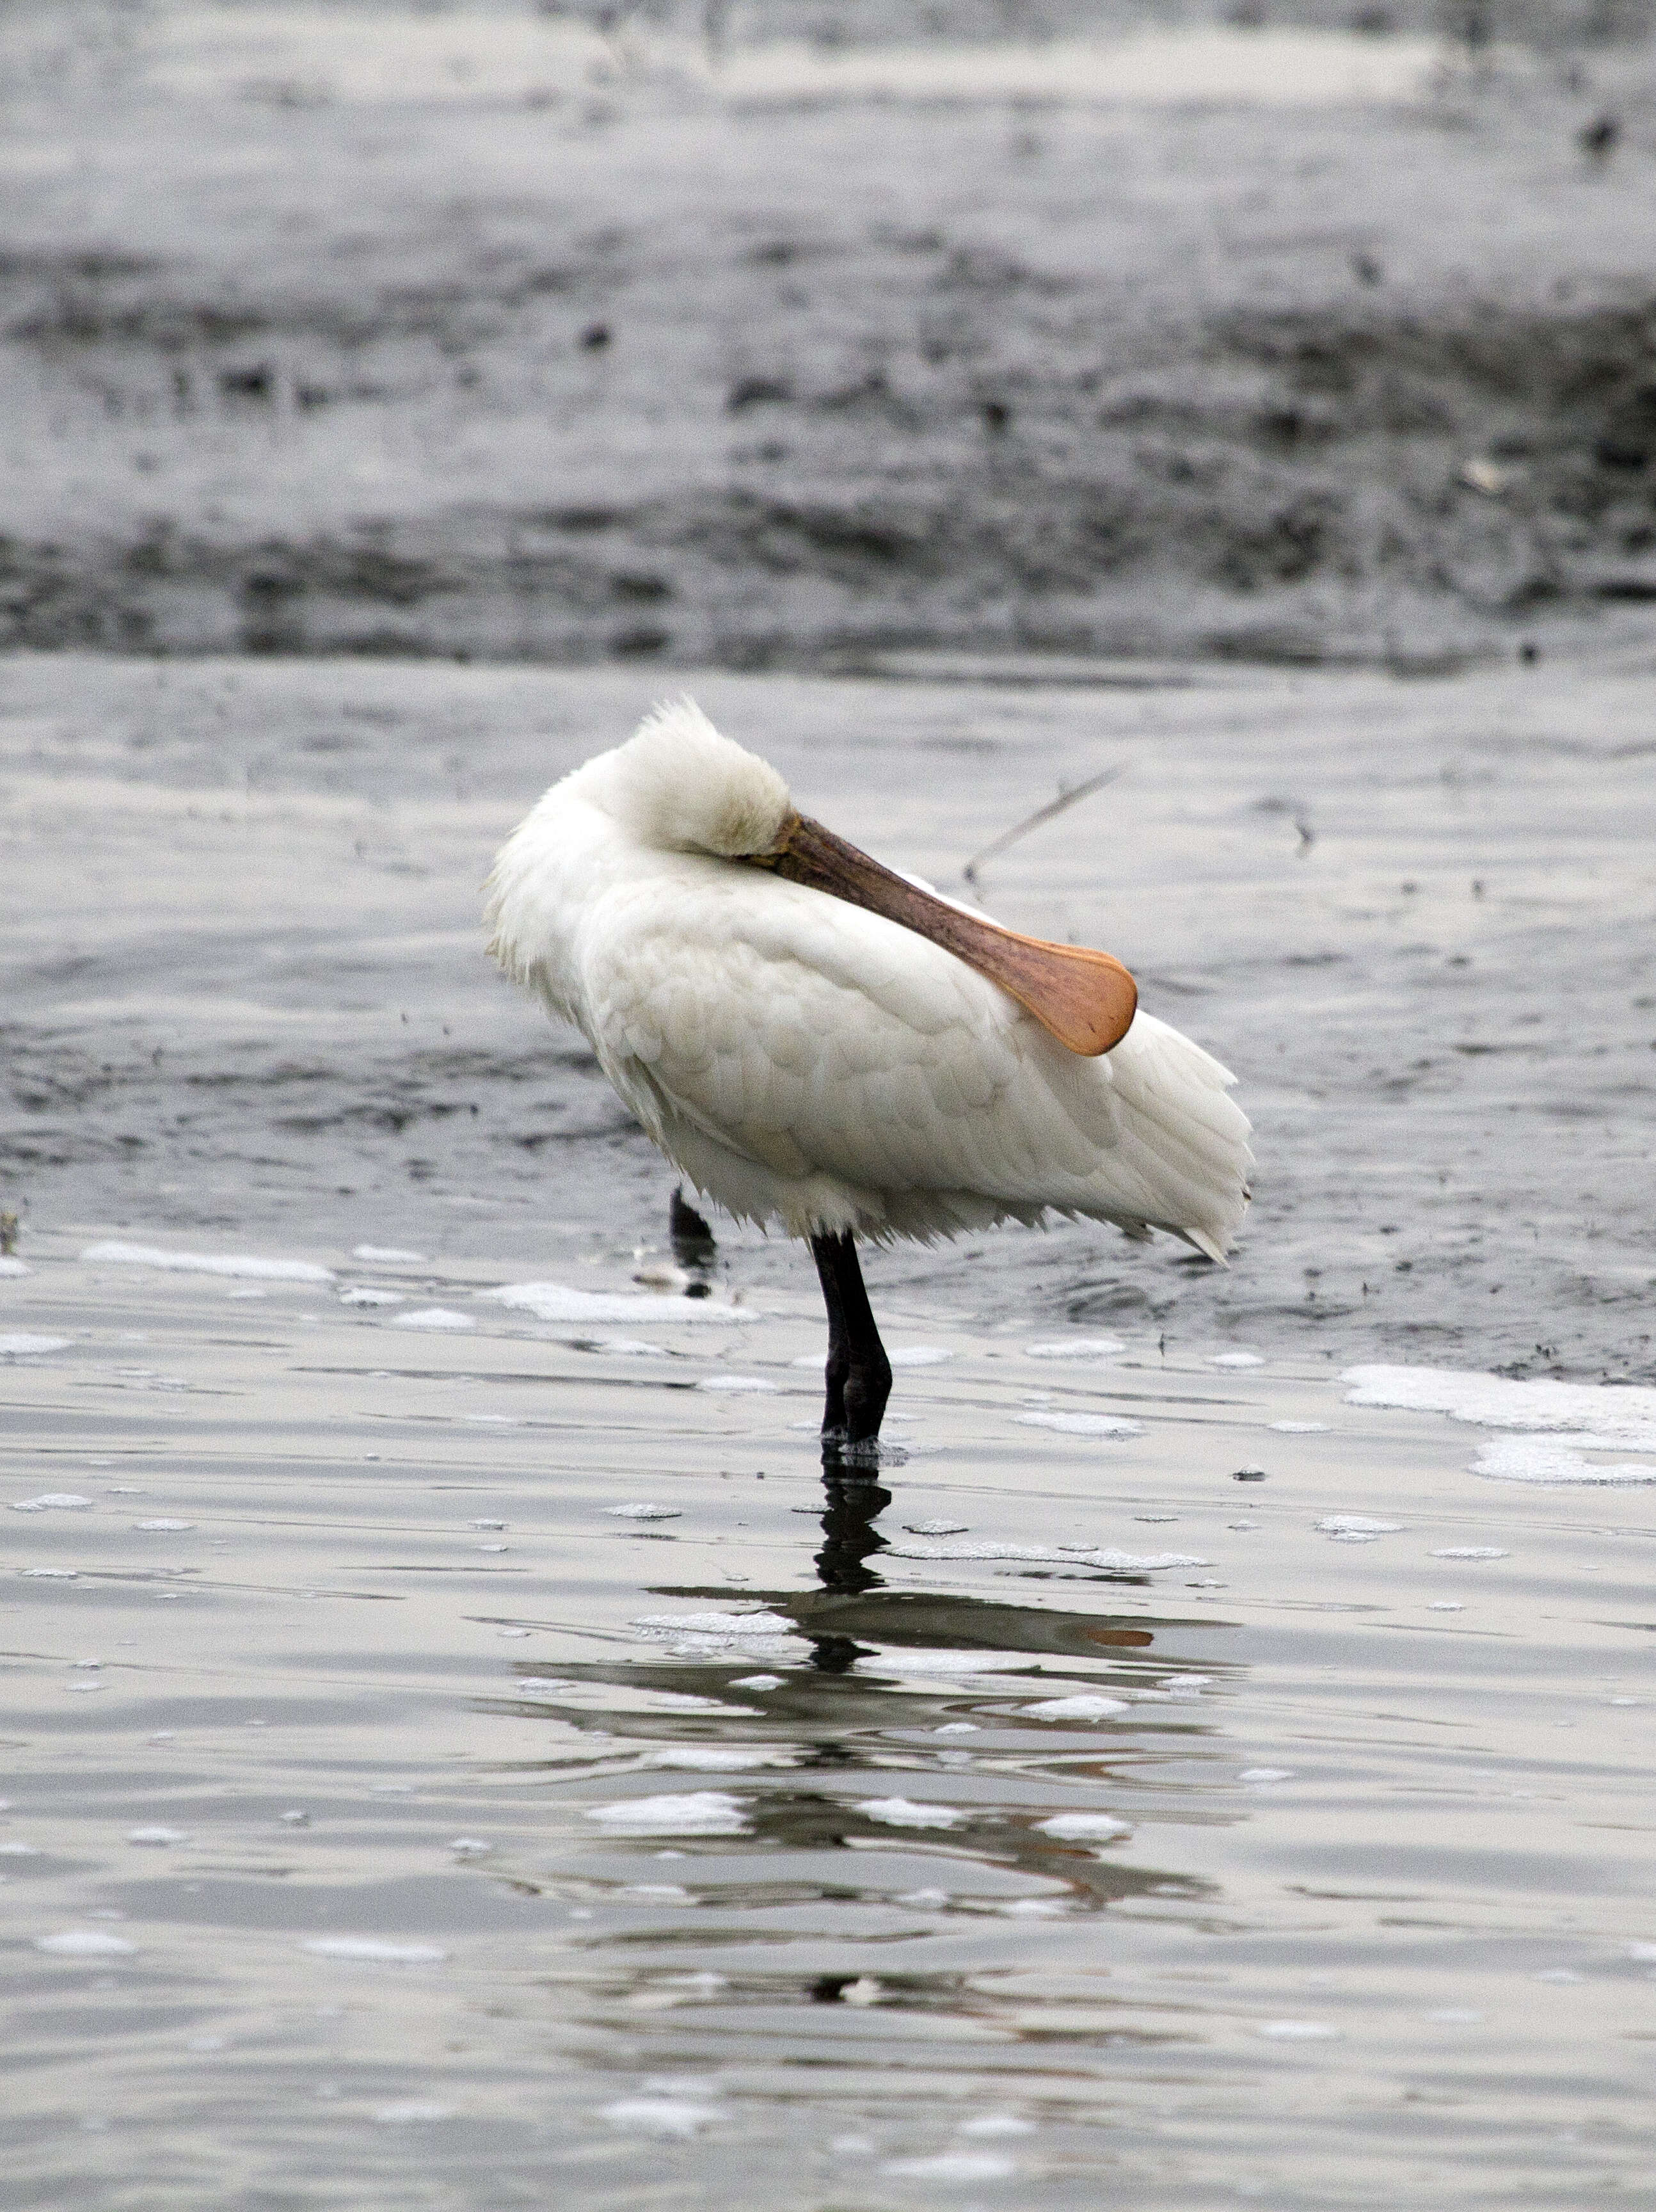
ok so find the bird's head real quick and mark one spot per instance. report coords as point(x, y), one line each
point(681, 787)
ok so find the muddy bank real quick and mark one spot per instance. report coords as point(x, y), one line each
point(646, 372)
point(1306, 486)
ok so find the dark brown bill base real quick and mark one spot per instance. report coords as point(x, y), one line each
point(1085, 998)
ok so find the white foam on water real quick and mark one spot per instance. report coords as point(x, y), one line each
point(906, 1812)
point(1081, 1424)
point(52, 1501)
point(1471, 1552)
point(674, 2116)
point(917, 1355)
point(556, 1302)
point(49, 1574)
point(997, 2124)
point(1235, 1359)
point(441, 1317)
point(643, 1511)
point(755, 1682)
point(1083, 1828)
point(1299, 1428)
point(85, 1943)
point(19, 1344)
point(1266, 1774)
point(953, 2165)
point(1573, 1418)
point(701, 1813)
point(374, 1950)
point(1296, 2031)
point(1643, 1954)
point(116, 1254)
point(470, 1847)
point(933, 1527)
point(1082, 1707)
point(715, 1624)
point(157, 1836)
point(1525, 1458)
point(721, 1758)
point(866, 1990)
point(15, 1850)
point(1076, 1348)
point(1357, 1524)
point(1626, 1416)
point(10, 1267)
point(384, 1252)
point(735, 1382)
point(409, 2113)
point(164, 1527)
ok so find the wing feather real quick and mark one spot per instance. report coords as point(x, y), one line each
point(839, 1053)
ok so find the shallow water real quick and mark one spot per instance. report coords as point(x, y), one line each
point(1209, 1764)
point(505, 1770)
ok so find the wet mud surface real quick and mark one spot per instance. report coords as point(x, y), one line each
point(632, 368)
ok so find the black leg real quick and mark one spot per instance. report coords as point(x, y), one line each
point(838, 1351)
point(859, 1374)
point(689, 1231)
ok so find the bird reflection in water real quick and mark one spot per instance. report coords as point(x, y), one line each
point(852, 1502)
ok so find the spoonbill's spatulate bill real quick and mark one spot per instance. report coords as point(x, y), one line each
point(819, 1044)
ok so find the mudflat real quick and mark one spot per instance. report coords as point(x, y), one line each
point(477, 331)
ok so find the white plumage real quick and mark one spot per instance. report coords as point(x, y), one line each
point(809, 1064)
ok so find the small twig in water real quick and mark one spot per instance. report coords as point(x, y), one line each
point(1065, 798)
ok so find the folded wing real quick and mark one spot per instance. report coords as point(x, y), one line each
point(812, 1063)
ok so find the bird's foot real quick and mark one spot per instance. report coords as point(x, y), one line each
point(867, 1389)
point(842, 1456)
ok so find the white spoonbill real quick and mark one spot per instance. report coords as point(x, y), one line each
point(818, 1043)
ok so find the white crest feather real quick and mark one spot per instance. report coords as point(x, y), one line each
point(680, 786)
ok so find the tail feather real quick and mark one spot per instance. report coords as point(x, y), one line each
point(1193, 1138)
